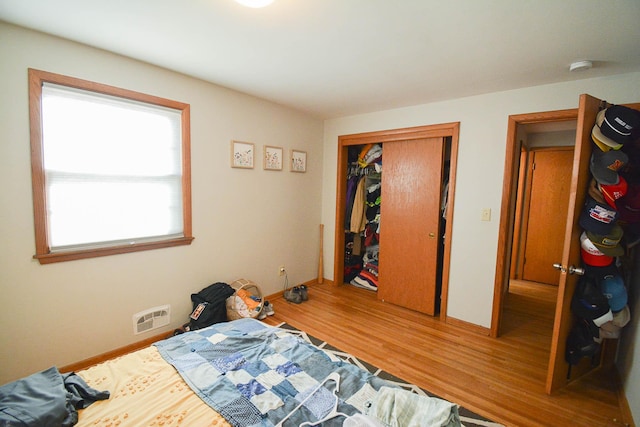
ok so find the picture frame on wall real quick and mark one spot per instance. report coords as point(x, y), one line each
point(298, 161)
point(272, 159)
point(242, 154)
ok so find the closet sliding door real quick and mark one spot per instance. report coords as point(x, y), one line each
point(410, 223)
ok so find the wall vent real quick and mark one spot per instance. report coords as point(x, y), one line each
point(152, 318)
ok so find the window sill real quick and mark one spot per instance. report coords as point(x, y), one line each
point(114, 250)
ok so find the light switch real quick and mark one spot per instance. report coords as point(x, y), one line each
point(485, 215)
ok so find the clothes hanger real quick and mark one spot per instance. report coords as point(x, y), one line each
point(333, 376)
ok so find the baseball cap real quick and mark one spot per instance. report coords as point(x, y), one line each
point(608, 244)
point(597, 217)
point(603, 143)
point(610, 330)
point(622, 317)
point(591, 255)
point(599, 272)
point(604, 165)
point(611, 193)
point(619, 123)
point(580, 343)
point(594, 191)
point(612, 287)
point(589, 303)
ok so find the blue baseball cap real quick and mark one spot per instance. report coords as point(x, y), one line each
point(613, 288)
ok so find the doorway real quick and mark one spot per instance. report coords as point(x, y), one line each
point(544, 178)
point(541, 180)
point(519, 126)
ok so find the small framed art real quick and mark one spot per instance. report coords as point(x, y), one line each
point(272, 158)
point(242, 154)
point(298, 161)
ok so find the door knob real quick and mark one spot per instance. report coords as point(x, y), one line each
point(576, 270)
point(560, 267)
point(572, 269)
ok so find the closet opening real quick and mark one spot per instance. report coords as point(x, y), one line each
point(362, 216)
point(394, 210)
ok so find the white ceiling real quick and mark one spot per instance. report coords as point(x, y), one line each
point(340, 57)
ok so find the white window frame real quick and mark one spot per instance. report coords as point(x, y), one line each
point(44, 253)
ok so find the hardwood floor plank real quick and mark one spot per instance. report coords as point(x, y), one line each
point(500, 378)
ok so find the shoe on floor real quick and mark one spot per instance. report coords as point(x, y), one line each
point(267, 310)
point(293, 295)
point(304, 292)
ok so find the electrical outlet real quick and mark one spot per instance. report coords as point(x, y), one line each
point(281, 271)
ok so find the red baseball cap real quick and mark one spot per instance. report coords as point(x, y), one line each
point(591, 255)
point(611, 193)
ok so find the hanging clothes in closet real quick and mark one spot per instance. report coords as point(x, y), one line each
point(362, 216)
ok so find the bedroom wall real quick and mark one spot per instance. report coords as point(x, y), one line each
point(482, 146)
point(246, 223)
point(483, 129)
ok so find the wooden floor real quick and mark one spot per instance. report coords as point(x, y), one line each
point(502, 379)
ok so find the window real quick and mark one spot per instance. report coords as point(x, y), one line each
point(110, 169)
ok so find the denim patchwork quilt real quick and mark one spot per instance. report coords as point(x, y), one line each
point(257, 375)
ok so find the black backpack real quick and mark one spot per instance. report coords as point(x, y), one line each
point(209, 306)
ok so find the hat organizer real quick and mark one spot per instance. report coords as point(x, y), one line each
point(610, 219)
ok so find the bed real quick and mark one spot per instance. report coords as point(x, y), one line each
point(246, 373)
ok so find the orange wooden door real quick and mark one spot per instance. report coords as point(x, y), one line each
point(558, 367)
point(410, 220)
point(548, 200)
point(557, 372)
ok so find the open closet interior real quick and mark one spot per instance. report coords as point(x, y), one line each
point(393, 212)
point(362, 216)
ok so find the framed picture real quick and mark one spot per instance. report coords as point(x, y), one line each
point(242, 154)
point(272, 158)
point(298, 161)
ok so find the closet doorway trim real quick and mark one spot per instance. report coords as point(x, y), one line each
point(445, 130)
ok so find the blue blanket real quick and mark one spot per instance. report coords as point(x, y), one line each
point(257, 375)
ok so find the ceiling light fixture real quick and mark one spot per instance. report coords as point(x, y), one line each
point(255, 3)
point(580, 66)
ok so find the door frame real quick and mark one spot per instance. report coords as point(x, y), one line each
point(561, 323)
point(445, 130)
point(508, 207)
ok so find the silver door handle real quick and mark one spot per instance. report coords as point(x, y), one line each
point(572, 269)
point(576, 270)
point(560, 267)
